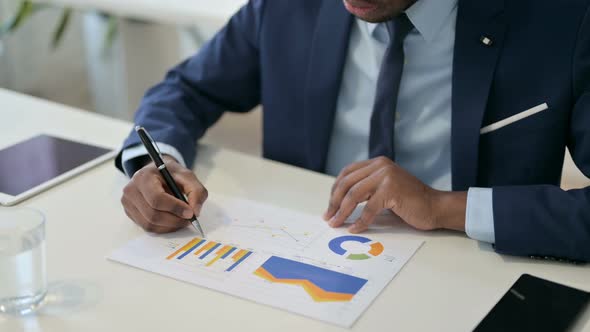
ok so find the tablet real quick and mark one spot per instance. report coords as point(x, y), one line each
point(29, 167)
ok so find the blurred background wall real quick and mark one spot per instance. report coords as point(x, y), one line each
point(109, 78)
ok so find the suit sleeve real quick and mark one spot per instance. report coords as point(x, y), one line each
point(223, 76)
point(546, 220)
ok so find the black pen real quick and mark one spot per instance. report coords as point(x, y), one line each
point(154, 152)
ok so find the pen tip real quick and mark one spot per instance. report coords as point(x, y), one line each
point(137, 128)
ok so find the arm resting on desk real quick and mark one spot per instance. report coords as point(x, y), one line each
point(543, 221)
point(546, 220)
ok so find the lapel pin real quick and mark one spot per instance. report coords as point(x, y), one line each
point(486, 41)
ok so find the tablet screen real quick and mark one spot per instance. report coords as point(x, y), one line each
point(30, 163)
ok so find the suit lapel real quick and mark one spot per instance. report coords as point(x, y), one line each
point(328, 54)
point(474, 67)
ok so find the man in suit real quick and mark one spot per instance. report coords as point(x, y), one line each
point(453, 114)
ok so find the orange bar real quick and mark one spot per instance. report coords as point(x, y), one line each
point(220, 253)
point(223, 250)
point(239, 255)
point(184, 248)
point(205, 247)
point(242, 255)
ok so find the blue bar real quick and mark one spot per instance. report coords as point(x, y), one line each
point(209, 251)
point(238, 262)
point(191, 249)
point(229, 252)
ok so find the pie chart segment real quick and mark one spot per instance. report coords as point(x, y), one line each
point(358, 257)
point(376, 249)
point(335, 245)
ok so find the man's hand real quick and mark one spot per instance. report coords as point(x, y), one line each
point(385, 185)
point(149, 203)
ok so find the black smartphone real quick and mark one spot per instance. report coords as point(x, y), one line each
point(535, 304)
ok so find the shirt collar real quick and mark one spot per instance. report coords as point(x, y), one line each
point(428, 17)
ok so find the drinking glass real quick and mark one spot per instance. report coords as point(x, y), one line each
point(23, 279)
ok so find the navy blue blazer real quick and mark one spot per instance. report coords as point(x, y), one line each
point(289, 55)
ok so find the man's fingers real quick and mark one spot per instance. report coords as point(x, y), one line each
point(370, 211)
point(157, 198)
point(195, 191)
point(159, 218)
point(130, 211)
point(148, 204)
point(349, 176)
point(352, 168)
point(342, 186)
point(379, 161)
point(358, 193)
point(134, 214)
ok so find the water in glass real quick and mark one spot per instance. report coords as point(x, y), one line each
point(23, 280)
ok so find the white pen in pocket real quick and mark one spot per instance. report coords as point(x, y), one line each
point(514, 118)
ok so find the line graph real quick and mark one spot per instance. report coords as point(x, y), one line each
point(278, 233)
point(274, 231)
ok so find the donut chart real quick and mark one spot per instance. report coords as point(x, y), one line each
point(376, 248)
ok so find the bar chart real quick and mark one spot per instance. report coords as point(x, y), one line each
point(209, 253)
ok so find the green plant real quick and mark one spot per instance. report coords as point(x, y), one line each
point(28, 8)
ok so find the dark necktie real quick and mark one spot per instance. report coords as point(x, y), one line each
point(388, 83)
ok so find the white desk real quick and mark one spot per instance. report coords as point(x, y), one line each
point(449, 285)
point(177, 12)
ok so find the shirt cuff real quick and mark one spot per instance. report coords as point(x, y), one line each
point(139, 151)
point(479, 219)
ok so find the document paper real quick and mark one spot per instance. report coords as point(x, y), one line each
point(277, 257)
